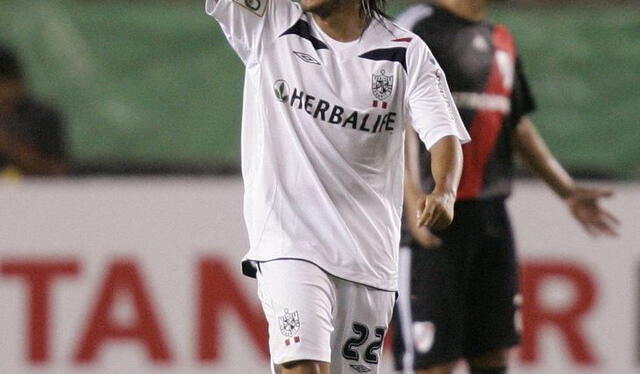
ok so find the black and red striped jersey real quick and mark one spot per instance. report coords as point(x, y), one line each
point(491, 92)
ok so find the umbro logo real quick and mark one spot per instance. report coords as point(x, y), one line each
point(306, 58)
point(360, 368)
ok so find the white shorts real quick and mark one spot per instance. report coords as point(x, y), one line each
point(313, 315)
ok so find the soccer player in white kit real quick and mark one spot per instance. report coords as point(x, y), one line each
point(329, 85)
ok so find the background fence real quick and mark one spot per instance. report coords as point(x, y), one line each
point(153, 85)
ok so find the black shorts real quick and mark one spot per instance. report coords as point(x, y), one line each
point(461, 299)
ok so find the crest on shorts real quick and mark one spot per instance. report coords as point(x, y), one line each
point(423, 335)
point(289, 323)
point(381, 85)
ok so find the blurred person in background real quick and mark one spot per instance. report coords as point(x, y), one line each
point(459, 287)
point(31, 133)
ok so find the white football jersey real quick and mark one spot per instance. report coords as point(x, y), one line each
point(323, 135)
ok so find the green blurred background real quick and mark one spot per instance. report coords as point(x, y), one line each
point(152, 86)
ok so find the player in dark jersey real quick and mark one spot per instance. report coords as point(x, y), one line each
point(459, 289)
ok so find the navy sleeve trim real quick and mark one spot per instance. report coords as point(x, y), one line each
point(396, 54)
point(302, 29)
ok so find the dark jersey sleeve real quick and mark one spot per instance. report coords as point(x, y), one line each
point(522, 101)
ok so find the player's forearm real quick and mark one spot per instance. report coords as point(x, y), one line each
point(446, 165)
point(412, 195)
point(412, 187)
point(538, 158)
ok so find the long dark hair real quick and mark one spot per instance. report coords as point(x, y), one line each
point(374, 9)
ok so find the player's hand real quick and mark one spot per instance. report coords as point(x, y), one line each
point(584, 204)
point(435, 211)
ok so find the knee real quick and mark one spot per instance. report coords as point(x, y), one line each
point(304, 367)
point(444, 368)
point(494, 360)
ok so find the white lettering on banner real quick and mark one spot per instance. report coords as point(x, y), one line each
point(146, 279)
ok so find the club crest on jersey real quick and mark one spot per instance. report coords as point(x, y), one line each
point(281, 90)
point(289, 323)
point(381, 85)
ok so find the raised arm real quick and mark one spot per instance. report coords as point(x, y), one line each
point(583, 202)
point(250, 25)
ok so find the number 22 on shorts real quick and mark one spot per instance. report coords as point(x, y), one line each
point(350, 351)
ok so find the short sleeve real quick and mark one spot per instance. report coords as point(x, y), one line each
point(250, 24)
point(432, 110)
point(522, 101)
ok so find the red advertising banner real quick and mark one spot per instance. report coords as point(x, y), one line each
point(143, 276)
